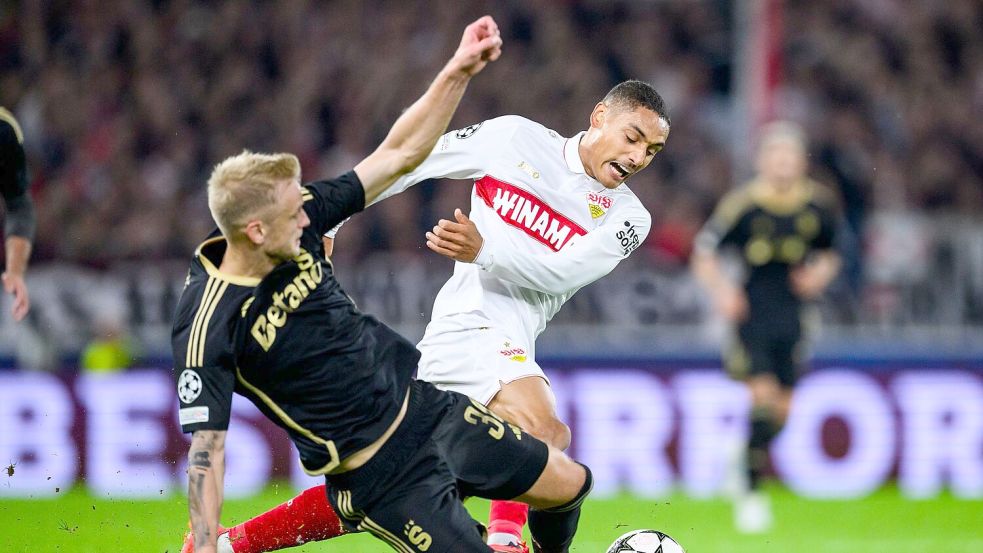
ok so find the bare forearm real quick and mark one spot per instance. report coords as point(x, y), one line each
point(706, 268)
point(206, 470)
point(414, 134)
point(825, 267)
point(417, 130)
point(18, 251)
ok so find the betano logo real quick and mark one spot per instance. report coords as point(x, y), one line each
point(286, 301)
point(523, 210)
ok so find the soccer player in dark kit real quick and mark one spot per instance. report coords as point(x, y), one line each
point(19, 223)
point(783, 226)
point(263, 315)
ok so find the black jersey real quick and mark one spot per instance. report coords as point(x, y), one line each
point(20, 218)
point(296, 346)
point(202, 339)
point(772, 239)
point(13, 168)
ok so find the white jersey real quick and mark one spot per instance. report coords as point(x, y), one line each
point(548, 228)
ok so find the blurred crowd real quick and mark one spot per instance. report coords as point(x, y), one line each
point(126, 106)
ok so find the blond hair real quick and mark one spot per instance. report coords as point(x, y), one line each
point(242, 186)
point(782, 131)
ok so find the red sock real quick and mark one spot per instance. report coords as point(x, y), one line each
point(505, 521)
point(305, 518)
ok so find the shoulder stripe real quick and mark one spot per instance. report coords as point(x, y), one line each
point(195, 356)
point(10, 120)
point(191, 353)
point(204, 323)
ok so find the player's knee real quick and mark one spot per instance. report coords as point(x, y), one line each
point(552, 431)
point(577, 481)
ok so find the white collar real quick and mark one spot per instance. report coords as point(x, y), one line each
point(571, 153)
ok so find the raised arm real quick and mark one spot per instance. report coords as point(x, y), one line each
point(416, 131)
point(206, 472)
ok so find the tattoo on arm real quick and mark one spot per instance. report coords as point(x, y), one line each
point(204, 499)
point(199, 523)
point(201, 459)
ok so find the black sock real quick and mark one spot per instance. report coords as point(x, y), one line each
point(553, 529)
point(763, 429)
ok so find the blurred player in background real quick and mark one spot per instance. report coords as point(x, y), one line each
point(782, 224)
point(19, 223)
point(549, 215)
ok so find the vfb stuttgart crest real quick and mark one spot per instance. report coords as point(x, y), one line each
point(188, 386)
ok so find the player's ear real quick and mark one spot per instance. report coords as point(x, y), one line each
point(597, 116)
point(255, 231)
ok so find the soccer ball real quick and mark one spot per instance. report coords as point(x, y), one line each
point(645, 541)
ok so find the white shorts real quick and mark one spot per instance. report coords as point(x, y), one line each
point(475, 362)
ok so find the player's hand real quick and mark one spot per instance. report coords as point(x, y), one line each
point(14, 284)
point(480, 44)
point(732, 304)
point(459, 240)
point(807, 283)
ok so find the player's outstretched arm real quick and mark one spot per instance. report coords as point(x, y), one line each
point(414, 134)
point(18, 252)
point(206, 471)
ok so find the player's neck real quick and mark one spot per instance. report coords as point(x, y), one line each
point(245, 262)
point(583, 150)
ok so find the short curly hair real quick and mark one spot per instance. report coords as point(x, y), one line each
point(633, 94)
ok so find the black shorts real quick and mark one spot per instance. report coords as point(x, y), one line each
point(754, 352)
point(448, 447)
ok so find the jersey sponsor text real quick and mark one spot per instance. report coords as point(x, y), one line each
point(284, 302)
point(525, 211)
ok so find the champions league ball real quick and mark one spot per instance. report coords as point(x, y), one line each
point(645, 541)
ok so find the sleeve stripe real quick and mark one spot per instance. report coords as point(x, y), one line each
point(195, 356)
point(8, 117)
point(193, 335)
point(204, 323)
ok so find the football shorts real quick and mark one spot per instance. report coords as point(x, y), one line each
point(475, 362)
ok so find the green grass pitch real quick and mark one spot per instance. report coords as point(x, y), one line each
point(882, 523)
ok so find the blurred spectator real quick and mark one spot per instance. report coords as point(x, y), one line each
point(890, 90)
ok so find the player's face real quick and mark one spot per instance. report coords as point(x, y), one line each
point(781, 160)
point(286, 223)
point(621, 142)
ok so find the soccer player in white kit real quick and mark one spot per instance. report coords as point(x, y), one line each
point(549, 215)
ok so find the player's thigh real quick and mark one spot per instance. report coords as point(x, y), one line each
point(431, 520)
point(420, 511)
point(789, 354)
point(488, 456)
point(529, 403)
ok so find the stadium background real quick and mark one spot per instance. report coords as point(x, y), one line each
point(126, 105)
